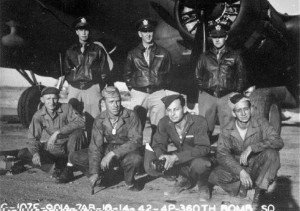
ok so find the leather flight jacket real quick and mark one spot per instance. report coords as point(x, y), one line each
point(220, 72)
point(147, 78)
point(85, 69)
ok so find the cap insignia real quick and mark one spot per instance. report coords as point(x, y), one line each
point(218, 27)
point(83, 20)
point(145, 22)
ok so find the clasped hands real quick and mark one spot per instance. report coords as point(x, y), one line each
point(170, 160)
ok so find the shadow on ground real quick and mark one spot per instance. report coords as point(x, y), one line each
point(281, 197)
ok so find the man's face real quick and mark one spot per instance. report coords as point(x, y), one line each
point(83, 34)
point(175, 111)
point(113, 105)
point(50, 101)
point(147, 37)
point(242, 111)
point(219, 42)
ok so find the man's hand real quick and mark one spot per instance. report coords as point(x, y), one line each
point(245, 179)
point(244, 156)
point(36, 159)
point(106, 160)
point(51, 140)
point(93, 179)
point(170, 160)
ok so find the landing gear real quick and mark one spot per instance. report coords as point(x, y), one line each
point(28, 104)
point(267, 102)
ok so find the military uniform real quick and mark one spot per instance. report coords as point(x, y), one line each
point(125, 141)
point(193, 147)
point(263, 163)
point(71, 136)
point(219, 72)
point(147, 73)
point(86, 66)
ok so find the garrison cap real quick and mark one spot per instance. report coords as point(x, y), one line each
point(145, 25)
point(236, 98)
point(217, 29)
point(49, 90)
point(110, 91)
point(81, 23)
point(167, 100)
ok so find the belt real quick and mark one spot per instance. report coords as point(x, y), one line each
point(218, 93)
point(148, 89)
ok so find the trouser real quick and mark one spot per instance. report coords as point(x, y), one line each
point(210, 107)
point(196, 170)
point(59, 154)
point(142, 102)
point(151, 102)
point(262, 169)
point(130, 163)
point(88, 104)
point(90, 98)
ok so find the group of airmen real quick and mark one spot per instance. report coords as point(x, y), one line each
point(247, 154)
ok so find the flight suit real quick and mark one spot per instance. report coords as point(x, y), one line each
point(193, 148)
point(125, 143)
point(71, 137)
point(263, 162)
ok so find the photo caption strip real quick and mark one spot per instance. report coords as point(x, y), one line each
point(123, 207)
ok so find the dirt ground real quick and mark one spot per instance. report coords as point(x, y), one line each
point(37, 187)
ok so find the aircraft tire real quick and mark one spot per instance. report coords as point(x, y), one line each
point(28, 104)
point(264, 104)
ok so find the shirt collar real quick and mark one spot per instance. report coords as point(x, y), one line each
point(123, 114)
point(142, 48)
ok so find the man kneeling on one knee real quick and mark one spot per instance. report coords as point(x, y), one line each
point(247, 152)
point(188, 133)
point(116, 141)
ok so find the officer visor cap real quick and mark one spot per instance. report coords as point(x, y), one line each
point(146, 25)
point(81, 23)
point(217, 30)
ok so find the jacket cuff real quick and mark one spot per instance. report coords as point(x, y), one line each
point(237, 170)
point(255, 148)
point(183, 156)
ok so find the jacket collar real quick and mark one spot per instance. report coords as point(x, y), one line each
point(142, 48)
point(123, 115)
point(46, 115)
point(233, 131)
point(78, 45)
point(222, 51)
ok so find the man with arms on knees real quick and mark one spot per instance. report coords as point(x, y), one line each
point(219, 72)
point(86, 68)
point(63, 134)
point(146, 73)
point(189, 134)
point(247, 152)
point(116, 140)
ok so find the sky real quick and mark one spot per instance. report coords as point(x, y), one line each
point(291, 7)
point(11, 77)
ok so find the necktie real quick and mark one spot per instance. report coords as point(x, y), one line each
point(82, 49)
point(147, 55)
